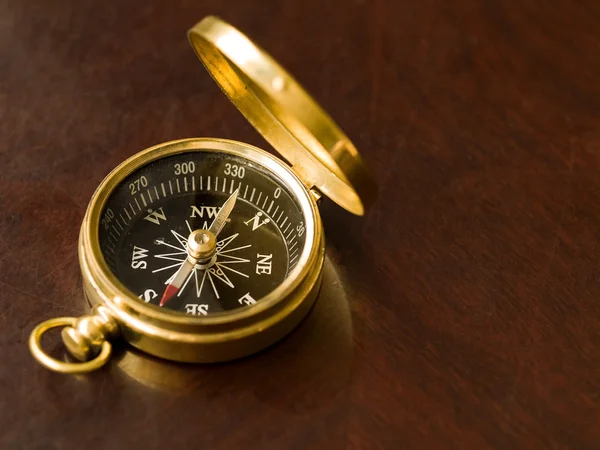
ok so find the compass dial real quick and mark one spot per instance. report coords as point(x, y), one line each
point(149, 217)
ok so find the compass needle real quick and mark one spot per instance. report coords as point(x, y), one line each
point(219, 222)
point(201, 246)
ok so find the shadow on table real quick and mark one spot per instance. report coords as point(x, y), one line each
point(306, 369)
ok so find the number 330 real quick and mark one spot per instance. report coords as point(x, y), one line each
point(235, 170)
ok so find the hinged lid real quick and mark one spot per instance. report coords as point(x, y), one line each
point(283, 112)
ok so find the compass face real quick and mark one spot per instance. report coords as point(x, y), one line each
point(149, 217)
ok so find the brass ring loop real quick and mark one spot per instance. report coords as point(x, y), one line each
point(59, 366)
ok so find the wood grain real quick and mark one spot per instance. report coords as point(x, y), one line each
point(461, 313)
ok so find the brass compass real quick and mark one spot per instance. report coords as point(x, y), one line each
point(206, 249)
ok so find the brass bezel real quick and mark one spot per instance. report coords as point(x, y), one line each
point(221, 336)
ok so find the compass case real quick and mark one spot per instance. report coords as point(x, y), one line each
point(222, 336)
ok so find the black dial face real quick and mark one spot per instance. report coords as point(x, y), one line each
point(148, 219)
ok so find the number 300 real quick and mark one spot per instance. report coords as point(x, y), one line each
point(185, 168)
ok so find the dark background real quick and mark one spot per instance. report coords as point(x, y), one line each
point(461, 312)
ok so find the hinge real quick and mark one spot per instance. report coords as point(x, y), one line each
point(316, 194)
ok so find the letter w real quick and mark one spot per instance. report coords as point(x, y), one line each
point(156, 216)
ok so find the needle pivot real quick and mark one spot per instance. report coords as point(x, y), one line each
point(201, 245)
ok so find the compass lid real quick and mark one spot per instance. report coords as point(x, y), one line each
point(284, 113)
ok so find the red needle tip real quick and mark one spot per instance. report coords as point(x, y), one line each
point(170, 291)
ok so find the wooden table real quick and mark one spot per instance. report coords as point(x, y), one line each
point(462, 312)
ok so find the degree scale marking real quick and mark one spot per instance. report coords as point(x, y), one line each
point(279, 225)
point(245, 186)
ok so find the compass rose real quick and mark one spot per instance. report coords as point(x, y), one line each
point(218, 271)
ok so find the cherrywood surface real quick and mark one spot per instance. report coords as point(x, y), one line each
point(462, 312)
